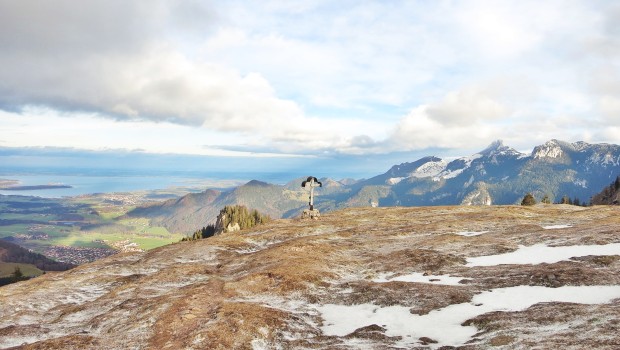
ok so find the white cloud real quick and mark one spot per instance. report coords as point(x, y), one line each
point(158, 85)
point(610, 107)
point(418, 130)
point(319, 76)
point(465, 107)
point(146, 76)
point(605, 85)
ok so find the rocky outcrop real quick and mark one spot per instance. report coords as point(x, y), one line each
point(479, 196)
point(223, 224)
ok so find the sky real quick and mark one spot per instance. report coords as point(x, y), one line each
point(329, 79)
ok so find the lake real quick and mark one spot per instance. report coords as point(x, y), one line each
point(87, 184)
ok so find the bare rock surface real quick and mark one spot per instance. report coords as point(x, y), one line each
point(281, 286)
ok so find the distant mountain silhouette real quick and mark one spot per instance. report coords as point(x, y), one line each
point(496, 175)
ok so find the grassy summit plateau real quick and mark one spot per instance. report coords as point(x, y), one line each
point(361, 278)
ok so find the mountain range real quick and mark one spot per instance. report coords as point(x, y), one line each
point(498, 174)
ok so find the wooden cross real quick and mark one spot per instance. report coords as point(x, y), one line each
point(311, 182)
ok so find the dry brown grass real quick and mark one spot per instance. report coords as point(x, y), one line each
point(70, 342)
point(236, 325)
point(219, 293)
point(501, 340)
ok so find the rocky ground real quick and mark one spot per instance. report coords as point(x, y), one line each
point(364, 278)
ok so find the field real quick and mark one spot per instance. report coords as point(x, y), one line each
point(7, 269)
point(93, 222)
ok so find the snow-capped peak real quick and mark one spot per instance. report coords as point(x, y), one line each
point(580, 145)
point(497, 148)
point(425, 167)
point(429, 169)
point(550, 149)
point(493, 147)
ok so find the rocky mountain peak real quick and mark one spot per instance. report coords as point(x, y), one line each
point(256, 183)
point(406, 169)
point(498, 148)
point(494, 146)
point(550, 149)
point(580, 145)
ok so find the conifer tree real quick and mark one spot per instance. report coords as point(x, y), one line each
point(231, 214)
point(17, 275)
point(528, 199)
point(546, 199)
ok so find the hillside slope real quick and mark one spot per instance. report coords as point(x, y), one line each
point(12, 253)
point(364, 278)
point(610, 195)
point(196, 210)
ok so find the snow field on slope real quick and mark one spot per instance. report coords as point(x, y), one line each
point(444, 325)
point(541, 253)
point(556, 227)
point(471, 233)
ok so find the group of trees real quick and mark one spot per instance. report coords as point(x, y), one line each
point(609, 195)
point(575, 201)
point(529, 199)
point(240, 214)
point(204, 232)
point(229, 216)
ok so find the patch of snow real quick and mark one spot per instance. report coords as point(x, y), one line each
point(444, 325)
point(580, 182)
point(540, 253)
point(471, 158)
point(260, 344)
point(429, 169)
point(14, 341)
point(84, 294)
point(469, 182)
point(128, 271)
point(556, 227)
point(580, 145)
point(449, 174)
point(438, 197)
point(551, 149)
point(394, 180)
point(452, 174)
point(417, 277)
point(257, 246)
point(248, 250)
point(471, 233)
point(604, 159)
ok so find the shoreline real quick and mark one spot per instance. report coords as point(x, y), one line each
point(34, 187)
